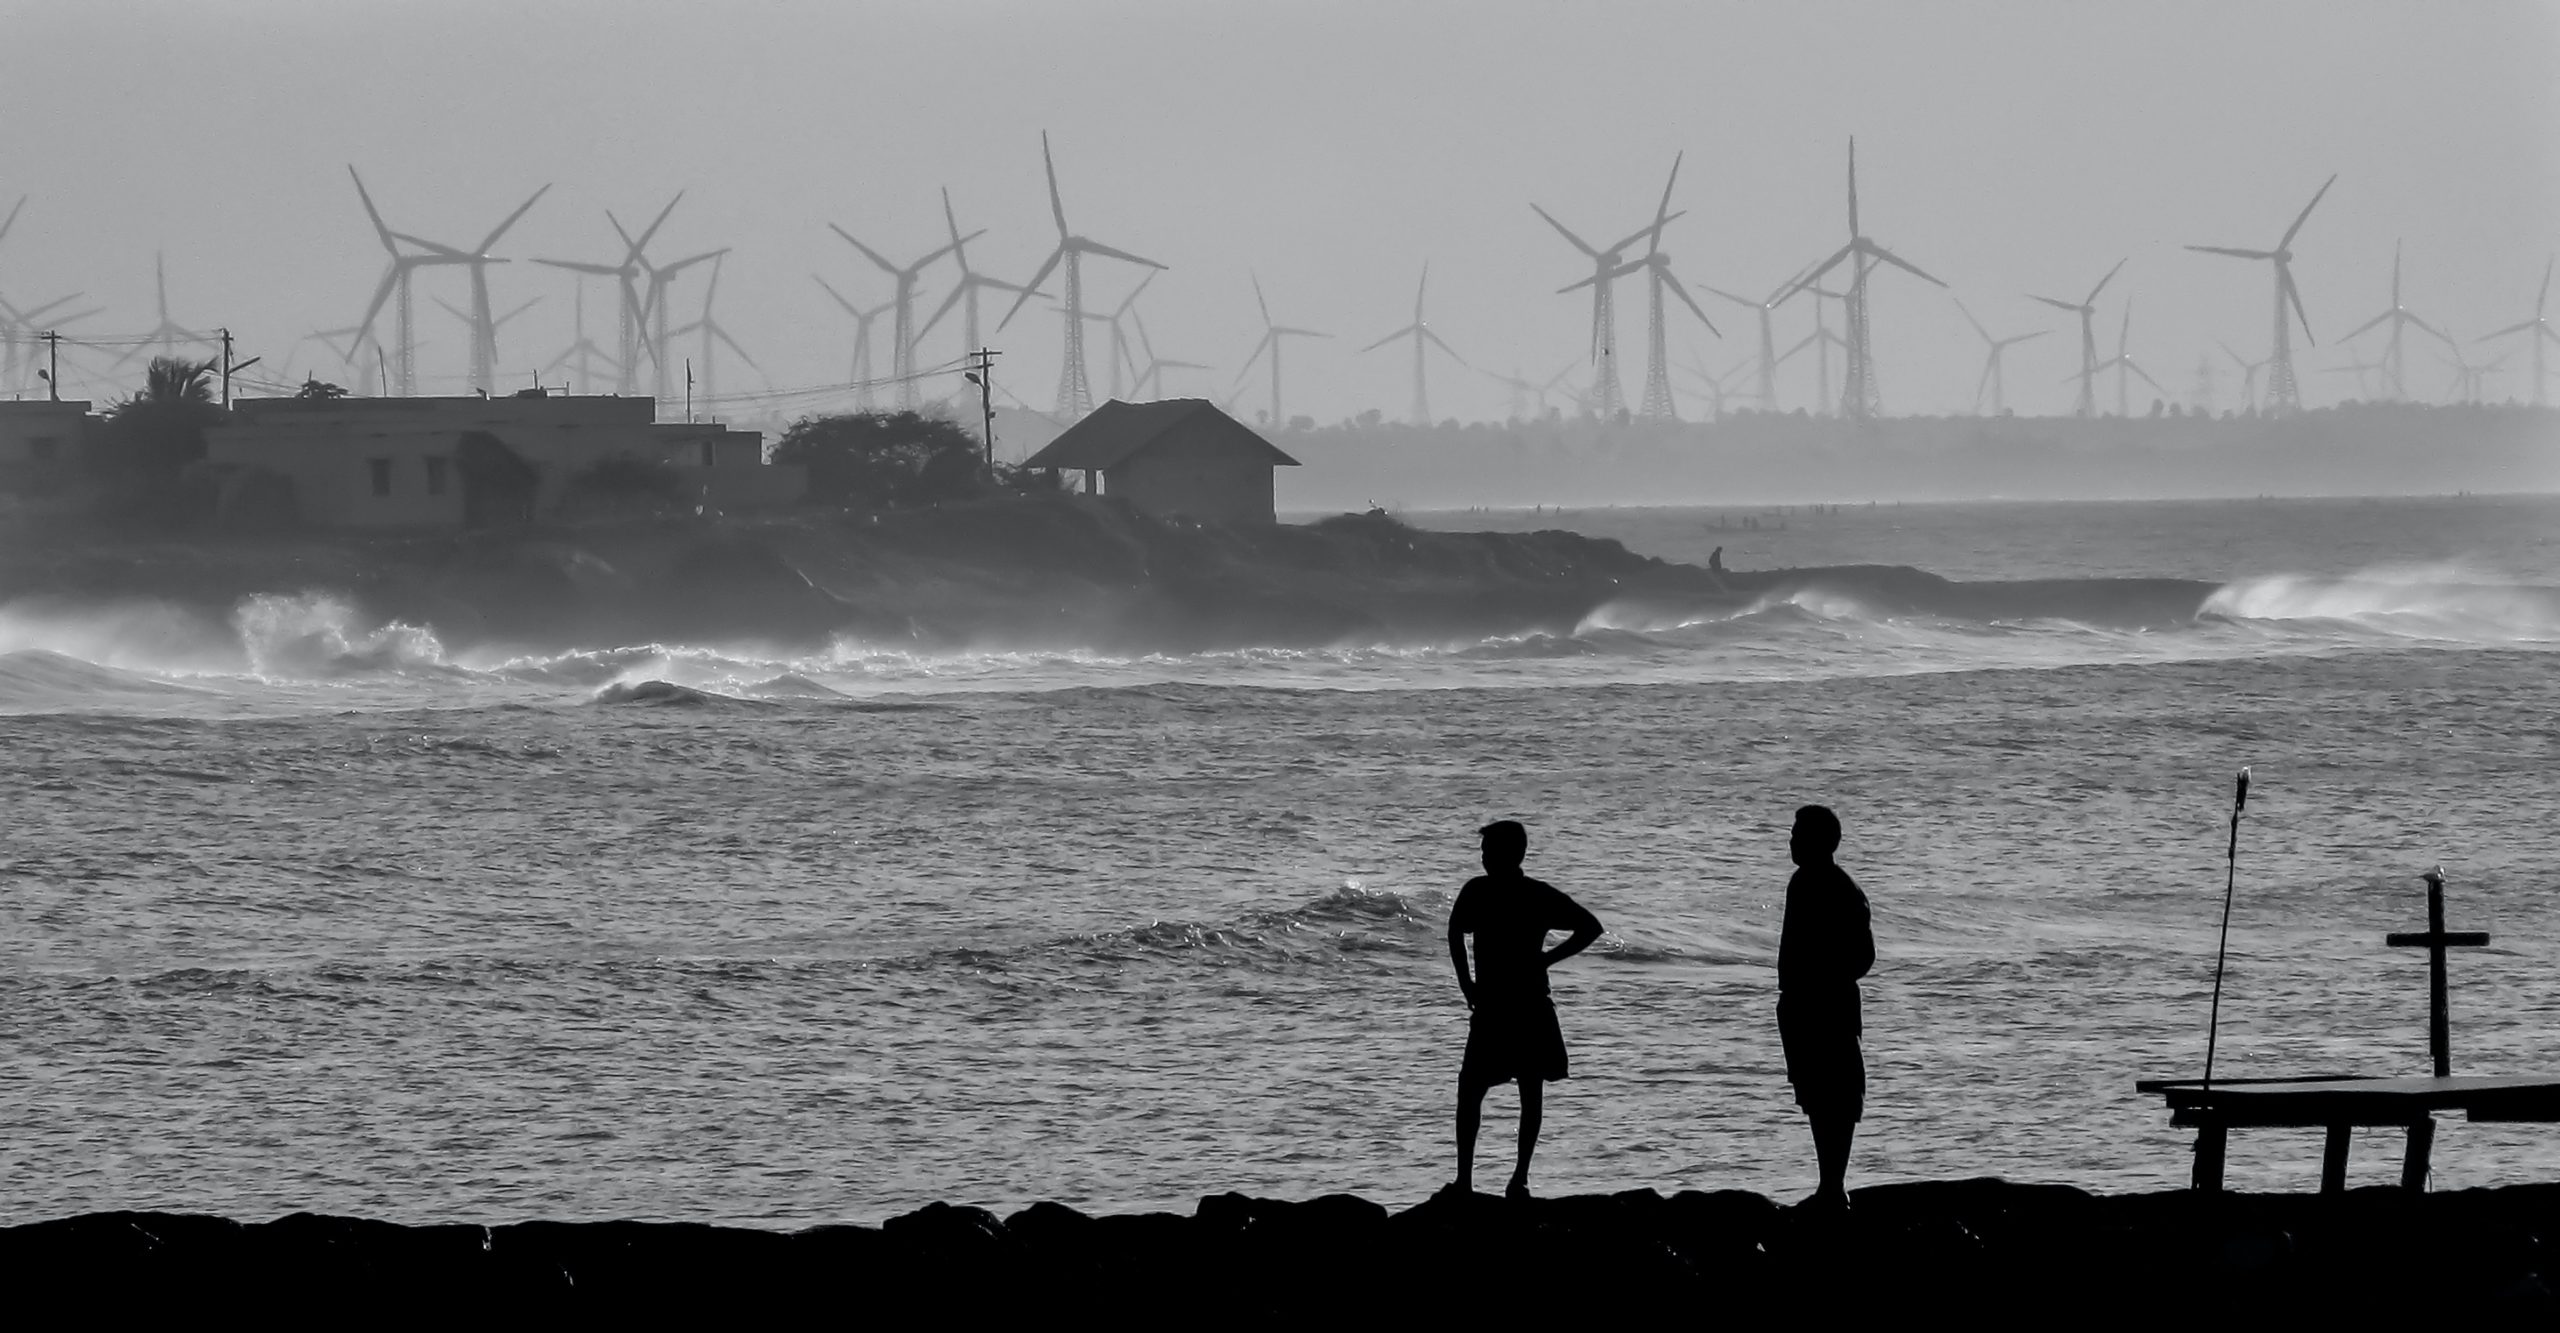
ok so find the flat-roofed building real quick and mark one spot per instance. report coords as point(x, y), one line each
point(444, 462)
point(41, 443)
point(1176, 458)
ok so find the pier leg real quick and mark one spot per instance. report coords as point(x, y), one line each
point(2413, 1168)
point(2210, 1141)
point(2333, 1161)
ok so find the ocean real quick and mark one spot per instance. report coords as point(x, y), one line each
point(303, 913)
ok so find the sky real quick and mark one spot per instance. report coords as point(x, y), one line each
point(1331, 149)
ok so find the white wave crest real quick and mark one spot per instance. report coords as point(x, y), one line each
point(315, 636)
point(2429, 602)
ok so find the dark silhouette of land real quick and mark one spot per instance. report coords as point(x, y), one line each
point(1512, 1033)
point(1824, 946)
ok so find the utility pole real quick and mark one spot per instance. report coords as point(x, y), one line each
point(982, 372)
point(688, 389)
point(228, 367)
point(53, 364)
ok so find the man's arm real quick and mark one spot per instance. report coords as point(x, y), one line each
point(1458, 961)
point(1582, 923)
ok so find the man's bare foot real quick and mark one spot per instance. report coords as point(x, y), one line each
point(1519, 1191)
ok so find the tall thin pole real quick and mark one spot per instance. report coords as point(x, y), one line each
point(53, 364)
point(2231, 877)
point(226, 367)
point(982, 372)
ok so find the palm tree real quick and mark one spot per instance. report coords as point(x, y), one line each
point(173, 380)
point(155, 434)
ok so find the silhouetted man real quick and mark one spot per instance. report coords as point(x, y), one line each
point(1824, 946)
point(1512, 1034)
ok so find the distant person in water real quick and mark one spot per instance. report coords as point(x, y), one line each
point(1824, 946)
point(1512, 1034)
point(1715, 561)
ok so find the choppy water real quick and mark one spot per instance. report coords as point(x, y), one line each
point(297, 912)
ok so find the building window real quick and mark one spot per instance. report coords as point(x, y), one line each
point(436, 467)
point(44, 448)
point(706, 453)
point(381, 475)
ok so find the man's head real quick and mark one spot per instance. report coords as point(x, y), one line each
point(1506, 845)
point(1816, 836)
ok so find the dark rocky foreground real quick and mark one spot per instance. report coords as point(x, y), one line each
point(1981, 1249)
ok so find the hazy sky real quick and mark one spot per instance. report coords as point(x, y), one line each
point(1332, 148)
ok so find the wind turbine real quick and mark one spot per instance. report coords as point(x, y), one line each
point(2123, 362)
point(582, 354)
point(1424, 338)
point(1272, 335)
point(398, 280)
point(2087, 310)
point(2362, 370)
point(1121, 355)
point(860, 373)
point(2399, 317)
point(1768, 394)
point(20, 330)
point(484, 327)
point(632, 305)
point(2283, 394)
point(472, 321)
point(168, 332)
point(965, 292)
point(1992, 376)
point(2248, 375)
point(1151, 379)
point(1657, 266)
point(653, 306)
point(1858, 395)
point(1606, 399)
point(709, 326)
point(902, 331)
point(2540, 333)
point(2468, 379)
point(1075, 395)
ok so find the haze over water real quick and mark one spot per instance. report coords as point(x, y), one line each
point(302, 915)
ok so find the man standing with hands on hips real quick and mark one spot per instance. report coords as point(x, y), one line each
point(1824, 946)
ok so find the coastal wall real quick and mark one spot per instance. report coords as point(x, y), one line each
point(1986, 1250)
point(1785, 459)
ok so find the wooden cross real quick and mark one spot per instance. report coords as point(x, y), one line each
point(2435, 939)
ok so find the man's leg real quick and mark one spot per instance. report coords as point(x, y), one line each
point(1532, 1106)
point(1470, 1118)
point(1831, 1136)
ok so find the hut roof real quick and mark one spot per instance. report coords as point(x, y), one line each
point(1117, 431)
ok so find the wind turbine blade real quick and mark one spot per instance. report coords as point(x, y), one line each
point(1899, 262)
point(2305, 215)
point(1560, 228)
point(669, 271)
point(501, 229)
point(517, 311)
point(918, 266)
point(381, 293)
point(2234, 253)
point(1033, 286)
point(2131, 365)
point(651, 230)
point(732, 344)
point(1673, 282)
point(575, 266)
point(1400, 333)
point(12, 219)
point(952, 221)
point(1418, 290)
point(1977, 324)
point(1818, 270)
point(380, 228)
point(867, 252)
point(1647, 230)
point(1257, 299)
point(1268, 337)
point(444, 254)
point(1096, 248)
point(849, 307)
point(1737, 300)
point(958, 290)
point(1853, 187)
point(2360, 328)
point(2294, 294)
point(1807, 341)
point(2102, 282)
point(1132, 298)
point(2512, 328)
point(1452, 351)
point(2022, 338)
point(1057, 207)
point(2545, 293)
point(451, 309)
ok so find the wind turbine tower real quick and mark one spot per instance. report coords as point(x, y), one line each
point(2399, 318)
point(168, 332)
point(714, 336)
point(2248, 376)
point(1075, 392)
point(1768, 363)
point(1993, 377)
point(2539, 333)
point(1859, 398)
point(484, 325)
point(2283, 393)
point(1658, 405)
point(1423, 340)
point(2087, 310)
point(2123, 362)
point(965, 292)
point(1272, 336)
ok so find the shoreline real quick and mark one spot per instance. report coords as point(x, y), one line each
point(1984, 1247)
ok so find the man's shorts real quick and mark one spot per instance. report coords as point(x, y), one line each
point(1513, 1039)
point(1823, 1059)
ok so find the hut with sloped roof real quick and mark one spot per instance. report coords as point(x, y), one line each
point(1177, 458)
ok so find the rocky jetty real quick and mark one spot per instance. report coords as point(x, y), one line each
point(1984, 1250)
